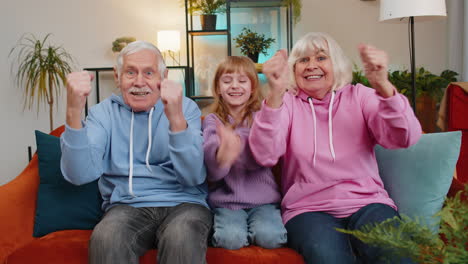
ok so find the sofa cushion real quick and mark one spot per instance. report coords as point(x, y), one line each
point(61, 205)
point(71, 247)
point(419, 177)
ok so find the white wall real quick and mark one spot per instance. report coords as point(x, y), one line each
point(351, 22)
point(86, 29)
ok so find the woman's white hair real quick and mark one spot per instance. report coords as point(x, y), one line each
point(136, 46)
point(318, 41)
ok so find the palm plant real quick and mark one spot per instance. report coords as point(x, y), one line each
point(407, 237)
point(41, 71)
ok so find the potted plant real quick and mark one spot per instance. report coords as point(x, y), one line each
point(207, 9)
point(252, 43)
point(429, 91)
point(119, 43)
point(41, 71)
point(407, 238)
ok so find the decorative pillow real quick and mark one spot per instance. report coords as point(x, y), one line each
point(419, 177)
point(60, 204)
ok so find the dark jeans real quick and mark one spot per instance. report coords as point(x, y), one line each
point(180, 234)
point(313, 235)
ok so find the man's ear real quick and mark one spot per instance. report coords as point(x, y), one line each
point(166, 73)
point(116, 76)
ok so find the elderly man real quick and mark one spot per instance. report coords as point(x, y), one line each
point(145, 146)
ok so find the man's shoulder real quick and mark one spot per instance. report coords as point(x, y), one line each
point(187, 101)
point(189, 104)
point(107, 102)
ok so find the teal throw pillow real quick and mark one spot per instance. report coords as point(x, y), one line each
point(60, 204)
point(419, 177)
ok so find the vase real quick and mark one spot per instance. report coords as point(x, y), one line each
point(208, 22)
point(253, 56)
point(426, 111)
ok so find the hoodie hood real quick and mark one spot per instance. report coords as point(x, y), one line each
point(118, 99)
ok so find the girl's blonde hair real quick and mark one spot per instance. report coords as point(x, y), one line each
point(318, 41)
point(236, 64)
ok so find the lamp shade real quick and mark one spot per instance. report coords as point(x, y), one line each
point(169, 40)
point(393, 9)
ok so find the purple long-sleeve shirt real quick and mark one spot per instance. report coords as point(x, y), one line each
point(245, 184)
point(345, 176)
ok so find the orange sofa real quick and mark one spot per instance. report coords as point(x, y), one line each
point(17, 244)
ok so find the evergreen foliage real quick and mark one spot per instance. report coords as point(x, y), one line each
point(408, 238)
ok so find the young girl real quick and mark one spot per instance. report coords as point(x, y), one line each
point(244, 195)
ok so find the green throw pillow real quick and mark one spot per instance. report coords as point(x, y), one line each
point(60, 204)
point(419, 177)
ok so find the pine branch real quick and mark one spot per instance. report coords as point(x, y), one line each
point(408, 238)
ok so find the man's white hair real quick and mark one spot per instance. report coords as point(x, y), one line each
point(136, 46)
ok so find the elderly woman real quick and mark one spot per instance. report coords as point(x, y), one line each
point(324, 135)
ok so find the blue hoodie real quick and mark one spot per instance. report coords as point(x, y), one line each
point(164, 168)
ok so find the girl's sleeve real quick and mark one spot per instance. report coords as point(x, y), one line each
point(246, 159)
point(210, 148)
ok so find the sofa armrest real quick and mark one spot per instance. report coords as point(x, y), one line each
point(17, 209)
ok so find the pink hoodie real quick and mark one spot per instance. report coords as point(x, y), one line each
point(331, 166)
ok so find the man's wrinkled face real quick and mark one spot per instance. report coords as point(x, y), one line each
point(140, 80)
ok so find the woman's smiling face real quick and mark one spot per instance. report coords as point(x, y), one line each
point(314, 73)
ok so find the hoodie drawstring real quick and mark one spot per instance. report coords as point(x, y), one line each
point(330, 127)
point(149, 139)
point(315, 129)
point(130, 173)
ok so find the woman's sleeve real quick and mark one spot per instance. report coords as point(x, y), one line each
point(268, 135)
point(391, 120)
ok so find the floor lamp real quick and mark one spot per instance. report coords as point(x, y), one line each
point(397, 10)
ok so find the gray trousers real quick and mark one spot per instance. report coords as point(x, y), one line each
point(125, 233)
